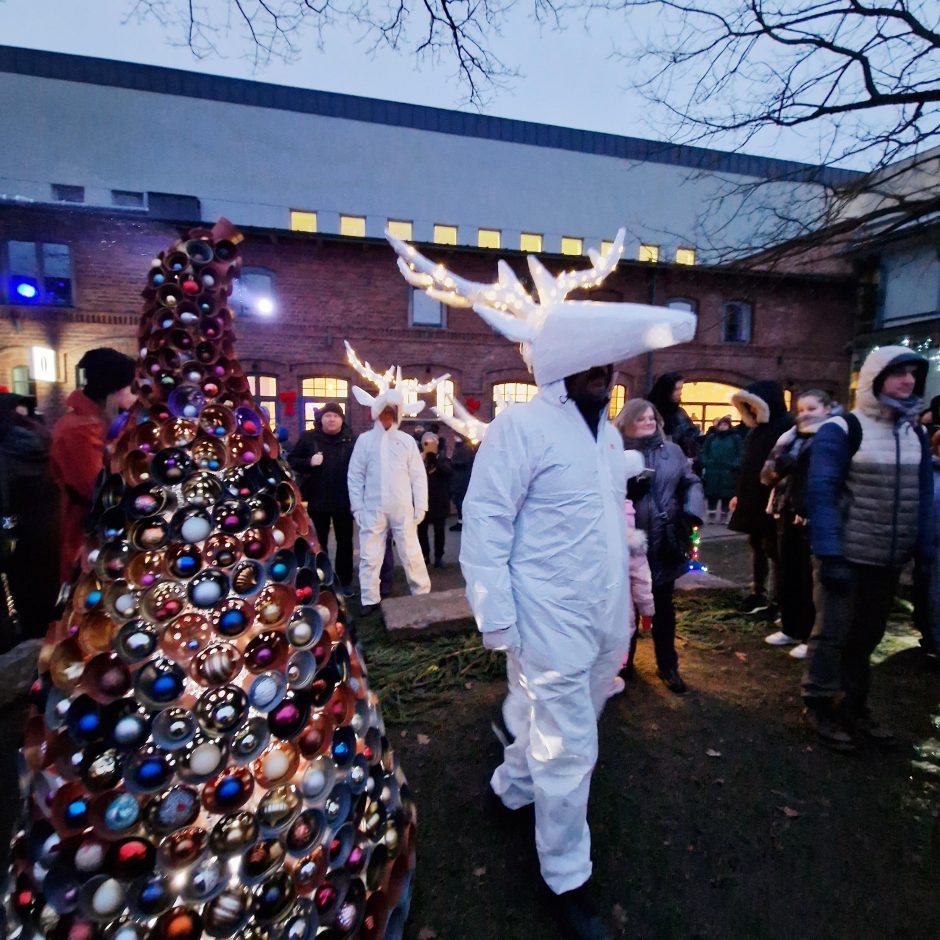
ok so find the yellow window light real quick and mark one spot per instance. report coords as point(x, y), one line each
point(445, 234)
point(488, 238)
point(648, 253)
point(685, 256)
point(303, 221)
point(400, 229)
point(572, 246)
point(352, 226)
point(529, 241)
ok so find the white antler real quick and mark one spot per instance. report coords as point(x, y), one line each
point(554, 288)
point(381, 382)
point(505, 300)
point(424, 388)
point(464, 423)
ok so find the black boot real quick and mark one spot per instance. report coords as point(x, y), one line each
point(578, 916)
point(819, 716)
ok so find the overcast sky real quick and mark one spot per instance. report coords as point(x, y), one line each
point(568, 77)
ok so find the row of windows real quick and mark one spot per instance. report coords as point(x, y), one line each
point(354, 226)
point(123, 198)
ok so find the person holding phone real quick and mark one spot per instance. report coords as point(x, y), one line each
point(667, 498)
point(321, 462)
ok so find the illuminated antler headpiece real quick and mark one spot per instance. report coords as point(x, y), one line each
point(391, 387)
point(461, 421)
point(559, 336)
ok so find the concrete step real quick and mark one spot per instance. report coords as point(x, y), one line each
point(438, 612)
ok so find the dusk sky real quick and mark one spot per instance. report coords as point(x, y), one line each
point(569, 77)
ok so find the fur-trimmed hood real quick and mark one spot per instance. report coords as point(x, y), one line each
point(876, 363)
point(766, 402)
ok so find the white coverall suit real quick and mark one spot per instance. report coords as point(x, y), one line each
point(388, 490)
point(544, 554)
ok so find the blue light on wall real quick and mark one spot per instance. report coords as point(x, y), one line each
point(24, 290)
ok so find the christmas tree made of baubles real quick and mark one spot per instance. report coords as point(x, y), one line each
point(204, 756)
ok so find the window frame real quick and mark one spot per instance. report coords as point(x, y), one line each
point(318, 400)
point(691, 251)
point(263, 400)
point(38, 275)
point(415, 292)
point(68, 193)
point(241, 297)
point(749, 321)
point(654, 251)
point(401, 234)
point(492, 235)
point(535, 235)
point(568, 241)
point(673, 304)
point(438, 230)
point(516, 384)
point(304, 229)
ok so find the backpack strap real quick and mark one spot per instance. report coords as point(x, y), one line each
point(854, 430)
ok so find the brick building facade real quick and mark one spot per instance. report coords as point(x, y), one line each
point(327, 288)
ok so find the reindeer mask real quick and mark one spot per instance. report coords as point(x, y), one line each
point(392, 388)
point(559, 337)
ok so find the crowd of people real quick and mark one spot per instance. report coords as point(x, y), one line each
point(834, 505)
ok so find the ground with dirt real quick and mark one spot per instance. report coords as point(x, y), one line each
point(714, 815)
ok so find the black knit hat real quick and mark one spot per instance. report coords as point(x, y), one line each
point(106, 371)
point(334, 408)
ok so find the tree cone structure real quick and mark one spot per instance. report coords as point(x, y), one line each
point(204, 757)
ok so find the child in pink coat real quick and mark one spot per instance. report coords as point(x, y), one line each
point(641, 581)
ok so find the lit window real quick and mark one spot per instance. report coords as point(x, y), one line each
point(682, 303)
point(512, 393)
point(352, 226)
point(736, 318)
point(253, 293)
point(38, 273)
point(606, 246)
point(648, 253)
point(302, 221)
point(22, 383)
point(445, 397)
point(530, 242)
point(445, 234)
point(264, 391)
point(618, 395)
point(572, 246)
point(685, 256)
point(425, 311)
point(62, 192)
point(316, 391)
point(488, 238)
point(399, 229)
point(706, 402)
point(127, 199)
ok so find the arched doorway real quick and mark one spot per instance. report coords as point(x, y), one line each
point(705, 402)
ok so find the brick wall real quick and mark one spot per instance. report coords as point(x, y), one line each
point(328, 290)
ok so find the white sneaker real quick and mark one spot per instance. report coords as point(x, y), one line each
point(617, 685)
point(799, 651)
point(780, 639)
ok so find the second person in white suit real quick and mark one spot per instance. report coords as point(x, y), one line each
point(388, 491)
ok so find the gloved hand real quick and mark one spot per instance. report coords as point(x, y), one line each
point(835, 573)
point(419, 515)
point(505, 639)
point(316, 459)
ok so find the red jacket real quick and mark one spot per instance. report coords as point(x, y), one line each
point(77, 458)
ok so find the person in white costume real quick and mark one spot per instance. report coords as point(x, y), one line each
point(544, 550)
point(388, 486)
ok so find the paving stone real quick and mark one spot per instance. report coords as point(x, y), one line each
point(438, 612)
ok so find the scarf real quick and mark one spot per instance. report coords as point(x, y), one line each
point(906, 410)
point(650, 442)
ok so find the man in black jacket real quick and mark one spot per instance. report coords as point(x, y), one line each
point(763, 409)
point(321, 460)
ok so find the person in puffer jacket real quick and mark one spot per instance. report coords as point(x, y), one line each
point(869, 498)
point(763, 410)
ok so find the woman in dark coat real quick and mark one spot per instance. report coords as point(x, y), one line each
point(321, 461)
point(763, 410)
point(664, 497)
point(720, 458)
point(666, 397)
point(439, 470)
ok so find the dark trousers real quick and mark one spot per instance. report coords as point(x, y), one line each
point(438, 525)
point(795, 576)
point(342, 522)
point(764, 562)
point(849, 626)
point(387, 571)
point(664, 629)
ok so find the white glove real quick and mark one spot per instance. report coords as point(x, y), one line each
point(505, 639)
point(316, 459)
point(419, 515)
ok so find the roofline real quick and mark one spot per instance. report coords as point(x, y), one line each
point(159, 80)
